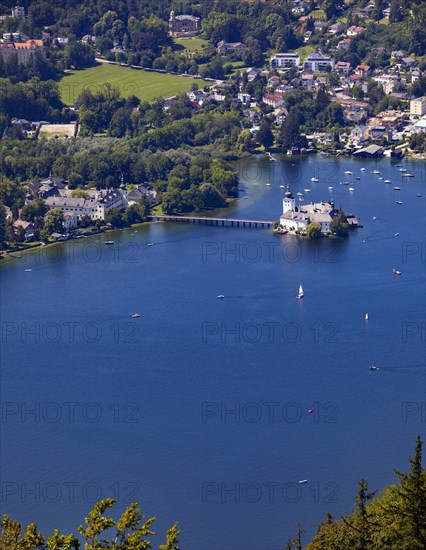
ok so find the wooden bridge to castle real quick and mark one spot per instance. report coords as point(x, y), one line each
point(199, 220)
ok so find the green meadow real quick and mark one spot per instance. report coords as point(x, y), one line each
point(143, 84)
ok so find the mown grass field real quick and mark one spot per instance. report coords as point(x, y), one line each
point(143, 84)
point(191, 44)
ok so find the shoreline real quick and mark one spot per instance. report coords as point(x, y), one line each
point(10, 254)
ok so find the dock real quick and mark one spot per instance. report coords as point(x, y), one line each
point(224, 222)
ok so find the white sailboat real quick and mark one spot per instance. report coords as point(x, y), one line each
point(301, 293)
point(366, 317)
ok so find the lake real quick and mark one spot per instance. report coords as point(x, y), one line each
point(199, 408)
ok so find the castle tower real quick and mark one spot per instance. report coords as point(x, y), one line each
point(289, 202)
point(172, 20)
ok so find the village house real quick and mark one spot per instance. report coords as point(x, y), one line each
point(392, 120)
point(244, 98)
point(320, 25)
point(275, 100)
point(415, 74)
point(344, 44)
point(354, 30)
point(280, 115)
point(18, 12)
point(24, 51)
point(299, 7)
point(420, 125)
point(364, 13)
point(308, 79)
point(28, 227)
point(70, 221)
point(388, 81)
point(342, 67)
point(360, 134)
point(362, 70)
point(336, 28)
point(286, 60)
point(141, 191)
point(274, 81)
point(252, 74)
point(183, 25)
point(418, 106)
point(231, 48)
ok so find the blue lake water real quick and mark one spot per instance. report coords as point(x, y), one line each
point(199, 409)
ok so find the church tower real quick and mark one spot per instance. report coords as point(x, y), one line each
point(289, 202)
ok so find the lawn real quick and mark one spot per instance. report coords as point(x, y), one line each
point(143, 84)
point(191, 44)
point(318, 14)
point(304, 51)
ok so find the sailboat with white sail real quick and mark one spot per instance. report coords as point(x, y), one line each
point(301, 293)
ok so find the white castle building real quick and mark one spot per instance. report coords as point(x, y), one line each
point(299, 217)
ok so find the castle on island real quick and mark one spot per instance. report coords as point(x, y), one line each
point(297, 218)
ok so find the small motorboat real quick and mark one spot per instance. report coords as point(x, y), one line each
point(357, 178)
point(387, 181)
point(314, 179)
point(408, 175)
point(363, 169)
point(135, 316)
point(268, 185)
point(307, 190)
point(372, 367)
point(397, 188)
point(301, 199)
point(351, 189)
point(302, 481)
point(299, 194)
point(376, 171)
point(380, 178)
point(310, 411)
point(28, 270)
point(220, 296)
point(398, 202)
point(345, 183)
point(282, 186)
point(374, 217)
point(402, 169)
point(398, 165)
point(396, 235)
point(419, 195)
point(331, 188)
point(109, 242)
point(150, 244)
point(396, 272)
point(348, 173)
point(366, 317)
